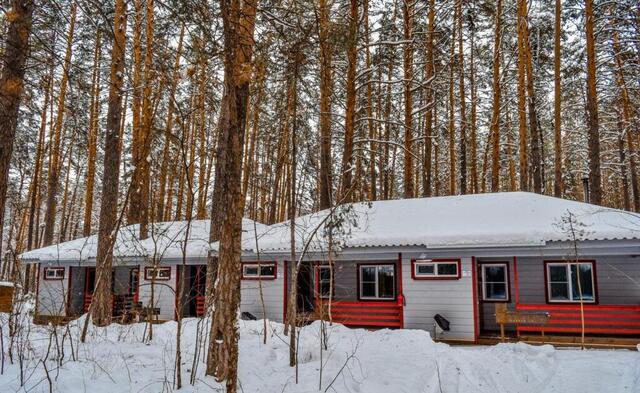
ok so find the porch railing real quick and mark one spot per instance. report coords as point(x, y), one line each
point(364, 314)
point(120, 304)
point(566, 318)
point(199, 306)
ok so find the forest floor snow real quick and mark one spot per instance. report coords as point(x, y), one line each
point(115, 359)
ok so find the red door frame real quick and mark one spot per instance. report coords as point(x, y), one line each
point(474, 291)
point(286, 291)
point(68, 302)
point(136, 292)
point(400, 296)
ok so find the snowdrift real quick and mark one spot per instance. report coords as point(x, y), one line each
point(115, 359)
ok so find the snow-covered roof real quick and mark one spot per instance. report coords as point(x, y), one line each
point(252, 231)
point(507, 219)
point(166, 240)
point(86, 248)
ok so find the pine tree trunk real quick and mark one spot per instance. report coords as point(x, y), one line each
point(292, 313)
point(133, 212)
point(250, 156)
point(101, 307)
point(407, 11)
point(463, 104)
point(474, 114)
point(497, 93)
point(557, 122)
point(14, 56)
point(326, 87)
point(34, 195)
point(94, 111)
point(627, 116)
point(160, 198)
point(202, 141)
point(373, 178)
point(623, 169)
point(593, 133)
point(350, 111)
point(238, 26)
point(451, 126)
point(65, 194)
point(534, 134)
point(522, 112)
point(429, 98)
point(54, 161)
point(147, 124)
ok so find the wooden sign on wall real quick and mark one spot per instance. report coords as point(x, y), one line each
point(504, 316)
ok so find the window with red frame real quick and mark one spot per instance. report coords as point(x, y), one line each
point(570, 282)
point(157, 273)
point(255, 271)
point(427, 268)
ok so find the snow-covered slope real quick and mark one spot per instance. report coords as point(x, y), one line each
point(115, 359)
point(482, 220)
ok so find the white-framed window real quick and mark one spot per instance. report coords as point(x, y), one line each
point(323, 280)
point(495, 282)
point(427, 268)
point(377, 282)
point(570, 282)
point(254, 271)
point(53, 273)
point(157, 273)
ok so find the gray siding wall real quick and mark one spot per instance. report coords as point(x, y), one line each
point(52, 294)
point(615, 276)
point(273, 294)
point(164, 296)
point(453, 299)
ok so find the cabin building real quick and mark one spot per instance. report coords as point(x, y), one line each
point(389, 264)
point(146, 273)
point(400, 263)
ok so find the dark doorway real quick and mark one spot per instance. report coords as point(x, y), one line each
point(89, 286)
point(194, 277)
point(76, 291)
point(305, 288)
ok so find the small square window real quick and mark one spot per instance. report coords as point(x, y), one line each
point(157, 273)
point(53, 273)
point(447, 269)
point(426, 269)
point(495, 282)
point(256, 271)
point(436, 269)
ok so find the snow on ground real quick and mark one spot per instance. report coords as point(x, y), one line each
point(115, 359)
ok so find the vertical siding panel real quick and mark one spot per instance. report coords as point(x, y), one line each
point(453, 299)
point(164, 296)
point(273, 293)
point(52, 294)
